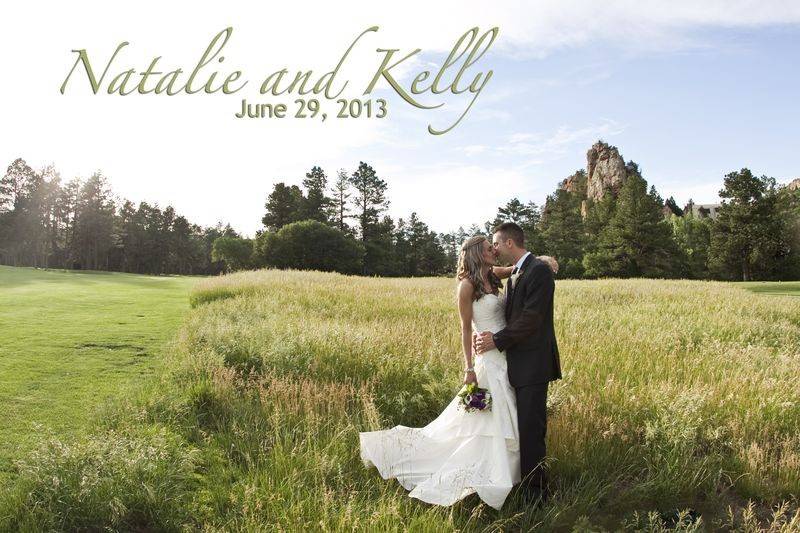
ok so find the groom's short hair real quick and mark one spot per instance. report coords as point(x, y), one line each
point(510, 230)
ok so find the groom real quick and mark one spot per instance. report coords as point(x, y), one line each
point(529, 342)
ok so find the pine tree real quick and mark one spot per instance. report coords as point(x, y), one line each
point(637, 242)
point(183, 247)
point(371, 201)
point(693, 237)
point(673, 206)
point(380, 257)
point(14, 221)
point(370, 197)
point(33, 221)
point(13, 183)
point(54, 218)
point(747, 238)
point(125, 235)
point(67, 207)
point(563, 232)
point(316, 204)
point(94, 224)
point(284, 205)
point(789, 209)
point(514, 211)
point(598, 217)
point(475, 229)
point(341, 196)
point(527, 216)
point(451, 244)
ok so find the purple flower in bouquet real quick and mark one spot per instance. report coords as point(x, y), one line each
point(474, 398)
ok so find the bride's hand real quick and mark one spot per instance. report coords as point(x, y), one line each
point(551, 262)
point(470, 377)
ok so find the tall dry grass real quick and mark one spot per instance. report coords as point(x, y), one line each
point(679, 408)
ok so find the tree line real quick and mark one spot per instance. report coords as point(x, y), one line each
point(341, 224)
point(631, 232)
point(754, 236)
point(80, 225)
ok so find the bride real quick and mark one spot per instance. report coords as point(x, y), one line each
point(461, 452)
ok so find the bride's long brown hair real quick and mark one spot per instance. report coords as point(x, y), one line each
point(470, 263)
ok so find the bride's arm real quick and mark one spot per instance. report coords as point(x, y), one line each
point(502, 272)
point(505, 272)
point(465, 292)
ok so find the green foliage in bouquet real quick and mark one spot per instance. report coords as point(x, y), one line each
point(474, 398)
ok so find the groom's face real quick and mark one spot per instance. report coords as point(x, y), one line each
point(502, 248)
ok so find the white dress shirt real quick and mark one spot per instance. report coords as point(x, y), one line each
point(512, 282)
point(521, 260)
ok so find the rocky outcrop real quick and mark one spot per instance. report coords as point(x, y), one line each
point(571, 183)
point(794, 184)
point(605, 169)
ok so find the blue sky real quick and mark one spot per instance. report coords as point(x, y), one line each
point(689, 90)
point(685, 116)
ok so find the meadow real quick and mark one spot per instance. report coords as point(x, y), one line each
point(679, 410)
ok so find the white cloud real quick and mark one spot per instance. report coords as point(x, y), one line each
point(549, 146)
point(562, 140)
point(475, 149)
point(539, 27)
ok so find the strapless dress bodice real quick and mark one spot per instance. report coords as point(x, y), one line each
point(488, 313)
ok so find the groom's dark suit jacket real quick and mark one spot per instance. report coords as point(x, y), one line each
point(529, 338)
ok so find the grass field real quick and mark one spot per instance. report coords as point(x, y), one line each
point(780, 288)
point(677, 395)
point(72, 339)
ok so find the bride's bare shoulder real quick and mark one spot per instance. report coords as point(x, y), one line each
point(465, 288)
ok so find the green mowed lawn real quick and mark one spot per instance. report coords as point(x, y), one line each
point(70, 340)
point(780, 288)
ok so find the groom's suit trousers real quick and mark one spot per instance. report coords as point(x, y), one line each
point(532, 423)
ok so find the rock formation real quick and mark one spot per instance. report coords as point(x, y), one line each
point(572, 183)
point(605, 170)
point(794, 184)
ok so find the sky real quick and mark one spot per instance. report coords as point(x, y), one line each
point(689, 90)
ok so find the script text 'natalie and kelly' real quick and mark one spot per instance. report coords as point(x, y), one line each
point(456, 75)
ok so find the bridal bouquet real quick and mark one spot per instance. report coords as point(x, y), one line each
point(474, 398)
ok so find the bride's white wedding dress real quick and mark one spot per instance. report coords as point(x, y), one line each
point(459, 452)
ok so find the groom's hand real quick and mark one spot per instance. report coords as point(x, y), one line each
point(484, 342)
